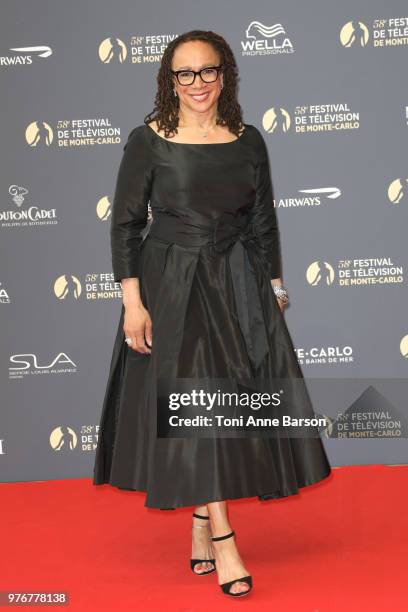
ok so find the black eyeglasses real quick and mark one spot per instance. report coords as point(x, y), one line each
point(208, 75)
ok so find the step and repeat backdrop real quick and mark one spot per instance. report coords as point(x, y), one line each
point(326, 83)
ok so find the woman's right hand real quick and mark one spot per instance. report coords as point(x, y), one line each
point(137, 325)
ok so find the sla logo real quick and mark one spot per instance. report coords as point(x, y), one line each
point(320, 272)
point(28, 360)
point(63, 438)
point(67, 285)
point(397, 190)
point(27, 365)
point(266, 40)
point(39, 132)
point(276, 120)
point(112, 49)
point(354, 33)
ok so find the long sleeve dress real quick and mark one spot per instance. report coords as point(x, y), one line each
point(204, 265)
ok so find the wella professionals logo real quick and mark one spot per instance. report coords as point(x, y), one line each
point(398, 190)
point(261, 39)
point(24, 56)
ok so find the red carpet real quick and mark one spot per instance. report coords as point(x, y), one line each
point(340, 545)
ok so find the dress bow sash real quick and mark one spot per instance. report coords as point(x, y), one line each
point(231, 234)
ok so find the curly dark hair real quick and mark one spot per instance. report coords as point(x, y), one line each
point(166, 108)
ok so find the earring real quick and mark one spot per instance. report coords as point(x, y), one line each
point(175, 93)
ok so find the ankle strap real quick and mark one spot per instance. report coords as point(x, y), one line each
point(200, 516)
point(224, 537)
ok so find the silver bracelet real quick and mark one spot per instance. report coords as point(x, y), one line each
point(281, 293)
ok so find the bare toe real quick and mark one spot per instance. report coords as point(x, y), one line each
point(239, 587)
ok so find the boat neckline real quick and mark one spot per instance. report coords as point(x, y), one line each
point(197, 144)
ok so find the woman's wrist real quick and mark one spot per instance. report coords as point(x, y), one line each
point(280, 290)
point(131, 292)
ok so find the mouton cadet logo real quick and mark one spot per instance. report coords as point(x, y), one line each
point(26, 213)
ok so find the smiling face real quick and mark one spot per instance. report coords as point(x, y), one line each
point(194, 55)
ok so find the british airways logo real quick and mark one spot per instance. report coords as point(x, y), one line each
point(25, 55)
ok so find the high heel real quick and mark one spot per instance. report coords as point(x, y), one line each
point(225, 586)
point(194, 562)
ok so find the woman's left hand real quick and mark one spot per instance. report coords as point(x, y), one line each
point(277, 282)
point(281, 304)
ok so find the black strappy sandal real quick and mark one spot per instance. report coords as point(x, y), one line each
point(225, 586)
point(194, 562)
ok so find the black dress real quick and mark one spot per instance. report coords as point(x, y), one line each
point(204, 266)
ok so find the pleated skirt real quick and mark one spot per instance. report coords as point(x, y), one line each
point(177, 472)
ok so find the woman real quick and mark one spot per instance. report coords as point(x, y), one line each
point(202, 297)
